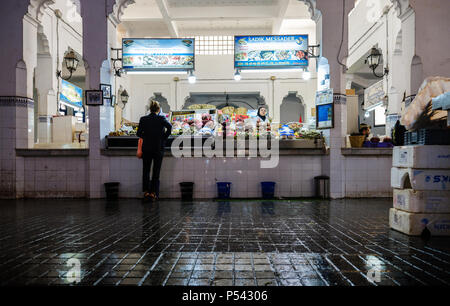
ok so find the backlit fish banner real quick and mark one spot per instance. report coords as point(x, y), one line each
point(272, 51)
point(147, 54)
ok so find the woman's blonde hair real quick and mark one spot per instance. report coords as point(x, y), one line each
point(154, 106)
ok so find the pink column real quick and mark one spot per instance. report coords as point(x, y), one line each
point(95, 51)
point(432, 36)
point(332, 18)
point(14, 104)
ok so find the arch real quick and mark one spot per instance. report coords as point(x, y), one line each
point(157, 96)
point(401, 7)
point(416, 74)
point(311, 4)
point(118, 9)
point(292, 108)
point(43, 45)
point(36, 8)
point(21, 78)
point(399, 43)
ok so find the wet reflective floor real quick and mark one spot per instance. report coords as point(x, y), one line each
point(241, 243)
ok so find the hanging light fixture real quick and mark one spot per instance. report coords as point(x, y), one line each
point(237, 75)
point(71, 62)
point(191, 77)
point(373, 60)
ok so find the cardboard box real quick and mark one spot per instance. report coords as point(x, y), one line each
point(414, 223)
point(420, 179)
point(422, 201)
point(421, 157)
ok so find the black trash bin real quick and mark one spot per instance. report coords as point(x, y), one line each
point(112, 190)
point(322, 186)
point(187, 191)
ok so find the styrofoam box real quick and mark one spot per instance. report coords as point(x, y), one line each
point(421, 157)
point(422, 201)
point(420, 179)
point(413, 223)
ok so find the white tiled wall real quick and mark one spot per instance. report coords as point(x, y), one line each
point(50, 177)
point(294, 176)
point(368, 176)
point(68, 176)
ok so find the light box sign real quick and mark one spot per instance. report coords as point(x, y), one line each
point(325, 116)
point(71, 94)
point(272, 51)
point(147, 54)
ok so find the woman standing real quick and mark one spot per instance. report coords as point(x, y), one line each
point(153, 131)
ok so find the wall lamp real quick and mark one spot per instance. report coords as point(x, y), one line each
point(71, 61)
point(124, 97)
point(373, 60)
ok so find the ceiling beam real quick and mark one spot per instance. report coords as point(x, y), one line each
point(278, 21)
point(171, 25)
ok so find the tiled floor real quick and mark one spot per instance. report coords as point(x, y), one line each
point(243, 243)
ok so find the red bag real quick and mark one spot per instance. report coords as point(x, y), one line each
point(139, 149)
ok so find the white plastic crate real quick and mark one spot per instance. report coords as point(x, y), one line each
point(422, 201)
point(420, 179)
point(414, 223)
point(421, 157)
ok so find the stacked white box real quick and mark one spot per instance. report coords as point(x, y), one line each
point(420, 177)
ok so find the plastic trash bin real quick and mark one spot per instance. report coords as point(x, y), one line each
point(187, 191)
point(223, 190)
point(268, 190)
point(112, 190)
point(322, 186)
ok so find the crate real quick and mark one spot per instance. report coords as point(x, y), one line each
point(422, 201)
point(414, 223)
point(428, 137)
point(421, 157)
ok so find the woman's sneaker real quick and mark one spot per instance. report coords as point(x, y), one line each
point(153, 197)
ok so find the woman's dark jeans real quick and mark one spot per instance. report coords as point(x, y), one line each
point(148, 158)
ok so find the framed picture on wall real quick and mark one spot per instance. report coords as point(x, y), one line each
point(325, 116)
point(106, 88)
point(94, 97)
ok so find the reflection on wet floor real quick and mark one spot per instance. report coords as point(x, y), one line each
point(241, 243)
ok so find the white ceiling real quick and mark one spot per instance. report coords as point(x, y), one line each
point(179, 18)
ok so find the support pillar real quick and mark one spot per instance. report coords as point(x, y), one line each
point(95, 52)
point(331, 34)
point(15, 103)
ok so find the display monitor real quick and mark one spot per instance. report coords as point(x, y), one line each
point(270, 51)
point(71, 95)
point(158, 54)
point(325, 116)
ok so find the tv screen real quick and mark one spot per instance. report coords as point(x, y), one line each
point(324, 115)
point(271, 51)
point(71, 95)
point(158, 54)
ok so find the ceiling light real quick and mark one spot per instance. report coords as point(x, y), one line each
point(237, 75)
point(155, 72)
point(191, 77)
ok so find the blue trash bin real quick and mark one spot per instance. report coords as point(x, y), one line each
point(268, 190)
point(223, 190)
